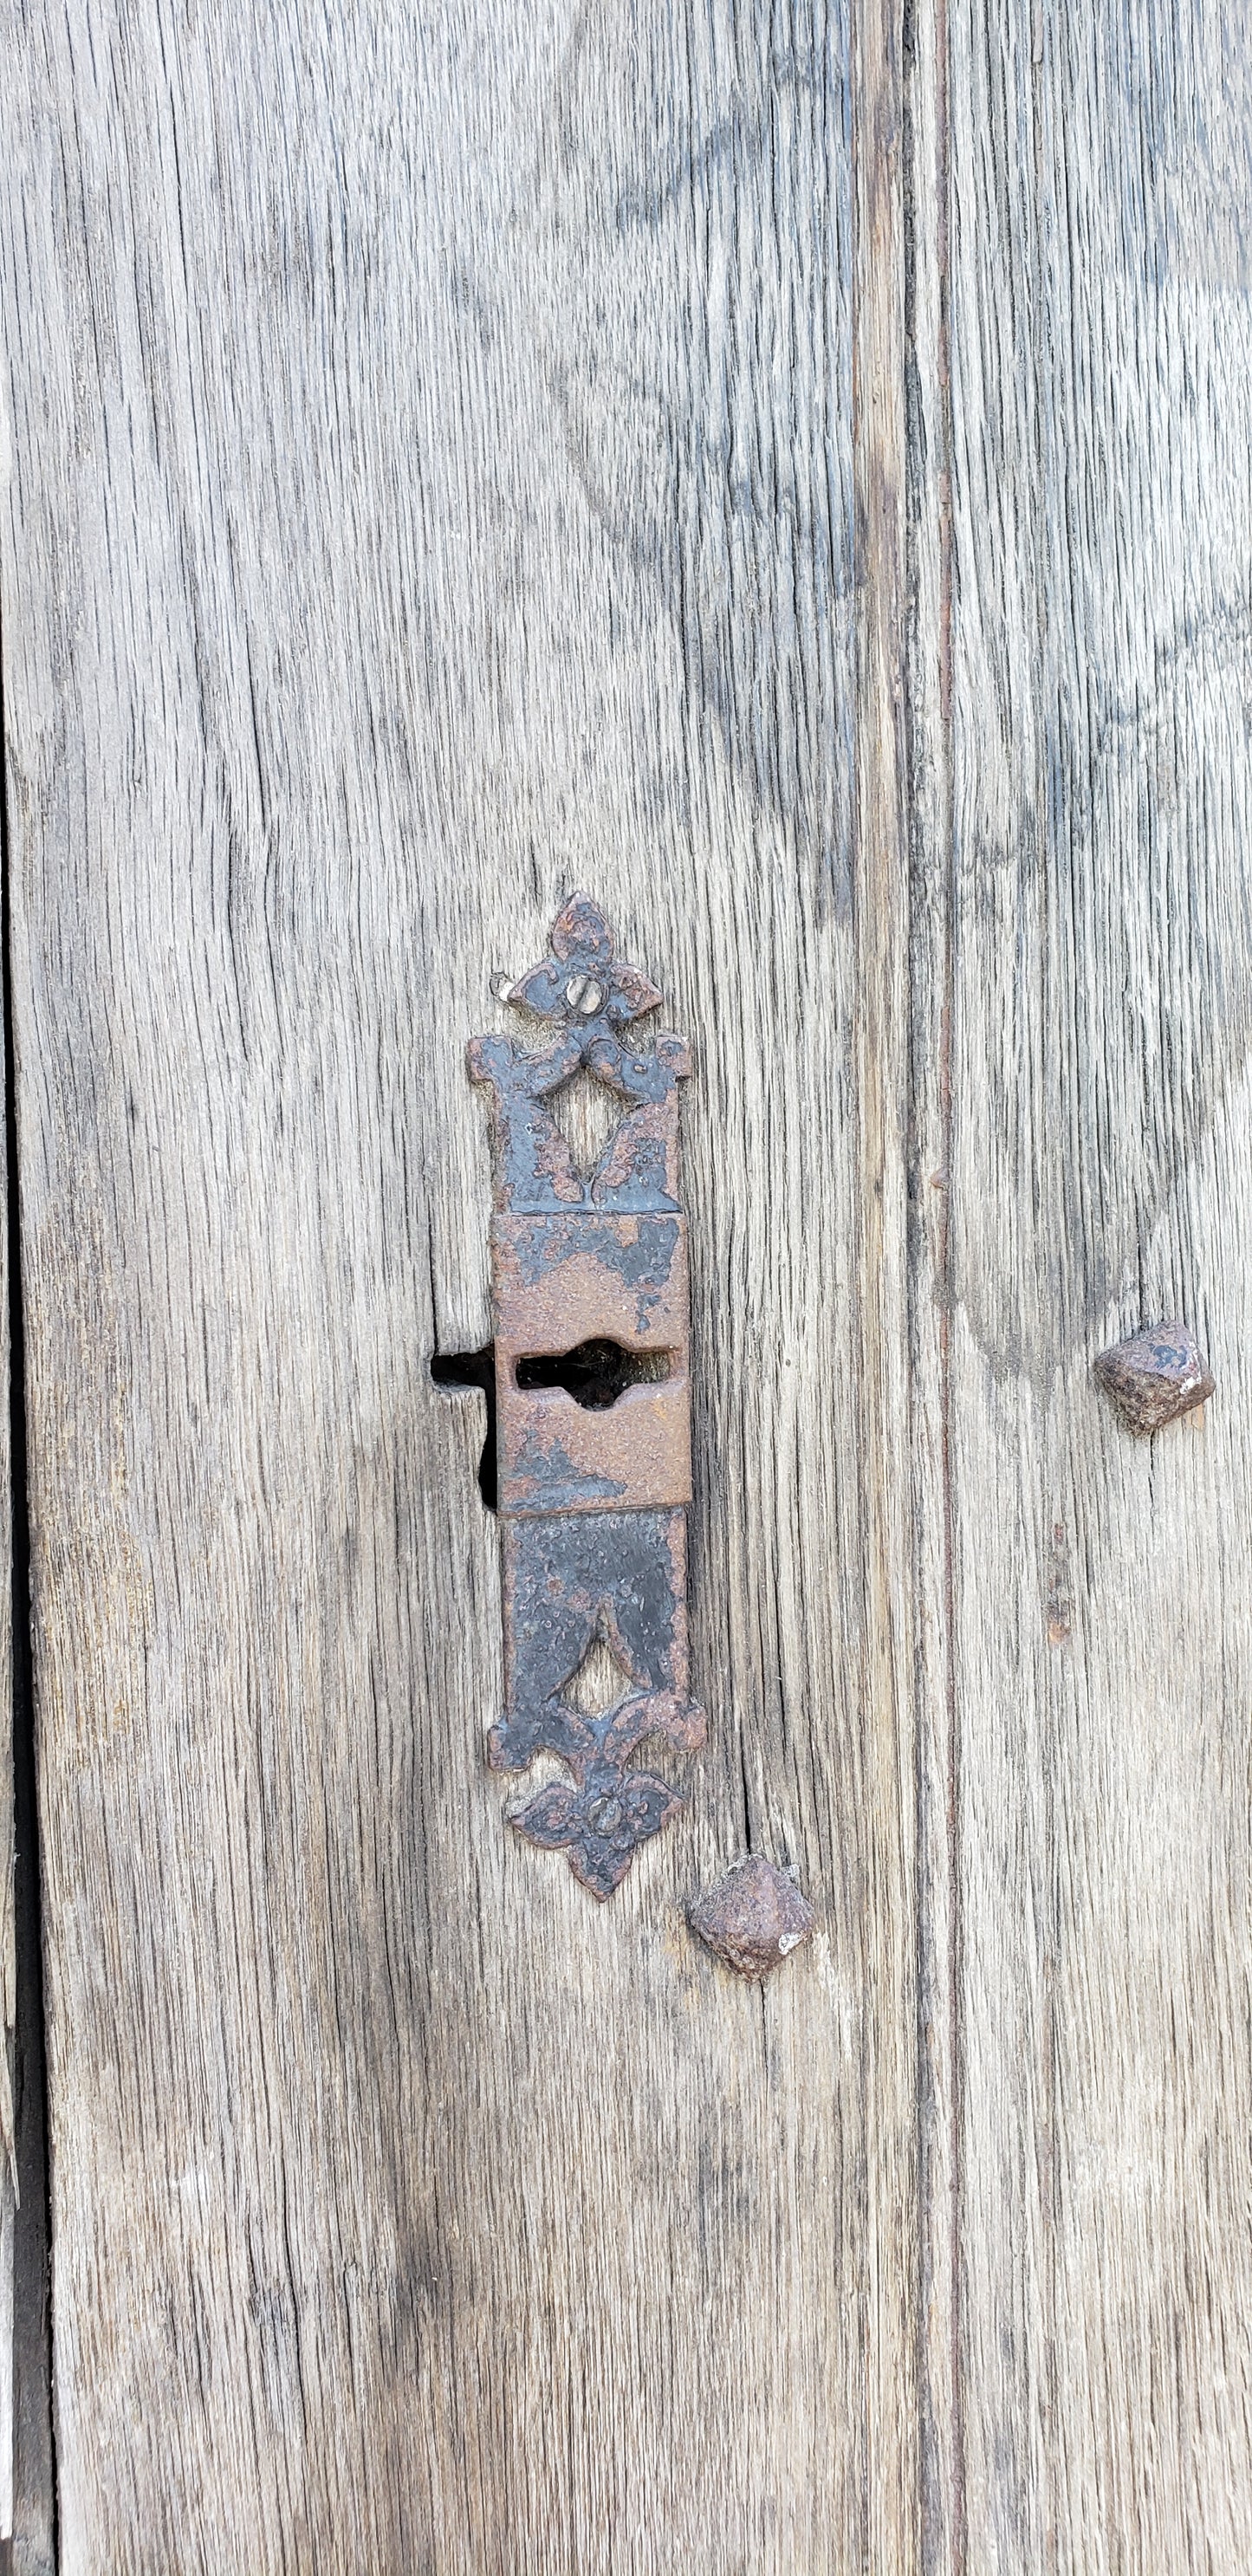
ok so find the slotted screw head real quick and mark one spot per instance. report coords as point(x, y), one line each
point(753, 1919)
point(1155, 1376)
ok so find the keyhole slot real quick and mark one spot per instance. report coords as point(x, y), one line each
point(595, 1373)
point(459, 1370)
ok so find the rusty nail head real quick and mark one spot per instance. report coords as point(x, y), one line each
point(1155, 1376)
point(753, 1919)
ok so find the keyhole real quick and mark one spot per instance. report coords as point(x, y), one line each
point(594, 1373)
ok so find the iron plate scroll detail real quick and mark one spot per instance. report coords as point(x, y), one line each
point(592, 1493)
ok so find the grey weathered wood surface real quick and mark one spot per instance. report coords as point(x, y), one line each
point(793, 481)
point(1102, 1153)
point(436, 487)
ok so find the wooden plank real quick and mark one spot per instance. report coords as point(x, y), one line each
point(1101, 348)
point(435, 487)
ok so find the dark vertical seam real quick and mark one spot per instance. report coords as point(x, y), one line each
point(1047, 802)
point(917, 856)
point(960, 2534)
point(34, 2454)
point(855, 902)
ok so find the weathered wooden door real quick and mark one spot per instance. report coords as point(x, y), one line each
point(787, 471)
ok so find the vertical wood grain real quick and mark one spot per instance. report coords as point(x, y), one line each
point(790, 472)
point(927, 711)
point(1102, 1123)
point(880, 1061)
point(456, 459)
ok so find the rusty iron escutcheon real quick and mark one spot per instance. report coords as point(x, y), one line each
point(592, 1493)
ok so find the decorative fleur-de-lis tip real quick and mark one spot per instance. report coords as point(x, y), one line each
point(584, 978)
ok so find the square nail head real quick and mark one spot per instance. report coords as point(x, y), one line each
point(1155, 1376)
point(753, 1919)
